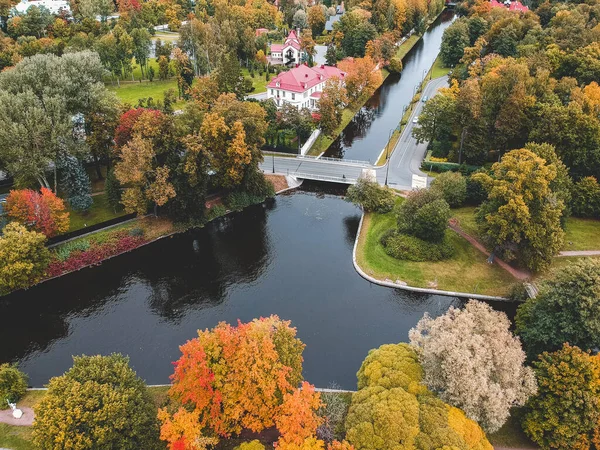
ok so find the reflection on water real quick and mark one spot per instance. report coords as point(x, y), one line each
point(367, 134)
point(291, 257)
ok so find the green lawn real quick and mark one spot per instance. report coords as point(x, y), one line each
point(511, 435)
point(407, 46)
point(438, 69)
point(466, 219)
point(258, 81)
point(132, 92)
point(99, 212)
point(466, 271)
point(582, 234)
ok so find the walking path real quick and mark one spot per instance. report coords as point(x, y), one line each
point(518, 274)
point(26, 420)
point(579, 253)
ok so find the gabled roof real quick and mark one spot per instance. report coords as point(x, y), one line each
point(302, 78)
point(292, 41)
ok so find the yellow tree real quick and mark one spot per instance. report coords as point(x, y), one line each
point(521, 216)
point(362, 78)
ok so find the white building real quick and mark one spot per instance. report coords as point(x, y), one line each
point(302, 86)
point(54, 6)
point(287, 53)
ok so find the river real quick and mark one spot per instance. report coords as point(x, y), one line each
point(367, 134)
point(291, 257)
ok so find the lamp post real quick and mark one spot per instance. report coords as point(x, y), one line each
point(273, 155)
point(387, 157)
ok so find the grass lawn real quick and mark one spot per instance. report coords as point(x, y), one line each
point(132, 92)
point(170, 36)
point(511, 435)
point(466, 271)
point(582, 234)
point(258, 81)
point(99, 212)
point(407, 46)
point(438, 69)
point(466, 219)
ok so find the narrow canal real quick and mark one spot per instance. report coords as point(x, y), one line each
point(367, 134)
point(291, 257)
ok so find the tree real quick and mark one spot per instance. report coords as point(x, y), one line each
point(100, 402)
point(76, 183)
point(454, 41)
point(395, 66)
point(297, 418)
point(565, 310)
point(361, 78)
point(424, 214)
point(13, 383)
point(113, 190)
point(163, 67)
point(300, 20)
point(39, 211)
point(586, 198)
point(331, 105)
point(393, 409)
point(23, 257)
point(317, 19)
point(566, 409)
point(331, 55)
point(371, 197)
point(233, 378)
point(472, 361)
point(141, 46)
point(229, 76)
point(356, 32)
point(184, 71)
point(452, 186)
point(522, 216)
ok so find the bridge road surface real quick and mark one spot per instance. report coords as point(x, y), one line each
point(404, 161)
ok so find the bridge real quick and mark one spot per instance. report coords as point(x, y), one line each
point(405, 159)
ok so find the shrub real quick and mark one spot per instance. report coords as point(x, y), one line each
point(23, 257)
point(585, 200)
point(452, 186)
point(565, 310)
point(99, 403)
point(424, 214)
point(371, 197)
point(333, 412)
point(565, 412)
point(13, 384)
point(238, 200)
point(439, 167)
point(136, 232)
point(473, 361)
point(64, 251)
point(411, 248)
point(476, 193)
point(214, 212)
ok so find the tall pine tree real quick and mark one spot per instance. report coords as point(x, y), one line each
point(75, 182)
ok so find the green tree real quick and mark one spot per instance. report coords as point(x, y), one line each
point(99, 403)
point(357, 31)
point(586, 198)
point(455, 39)
point(141, 47)
point(522, 216)
point(565, 310)
point(566, 409)
point(13, 383)
point(229, 76)
point(331, 55)
point(424, 214)
point(452, 186)
point(113, 190)
point(371, 197)
point(331, 106)
point(75, 182)
point(23, 257)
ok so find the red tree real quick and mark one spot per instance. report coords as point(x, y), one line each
point(127, 121)
point(40, 211)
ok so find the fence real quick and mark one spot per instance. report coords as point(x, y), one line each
point(311, 140)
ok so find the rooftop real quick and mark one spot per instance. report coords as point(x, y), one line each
point(301, 78)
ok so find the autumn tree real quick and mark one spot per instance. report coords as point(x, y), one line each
point(316, 19)
point(521, 216)
point(23, 257)
point(234, 378)
point(331, 105)
point(361, 77)
point(39, 211)
point(472, 361)
point(297, 418)
point(565, 310)
point(100, 402)
point(566, 410)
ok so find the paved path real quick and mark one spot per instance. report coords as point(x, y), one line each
point(579, 253)
point(26, 420)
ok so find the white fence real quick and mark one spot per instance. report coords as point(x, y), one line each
point(311, 140)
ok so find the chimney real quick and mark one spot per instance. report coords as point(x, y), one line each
point(322, 66)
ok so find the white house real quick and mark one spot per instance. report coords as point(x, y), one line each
point(54, 6)
point(302, 86)
point(289, 52)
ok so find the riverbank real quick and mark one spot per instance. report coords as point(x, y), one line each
point(465, 274)
point(323, 142)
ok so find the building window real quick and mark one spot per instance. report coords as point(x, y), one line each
point(283, 94)
point(277, 92)
point(305, 94)
point(271, 91)
point(293, 96)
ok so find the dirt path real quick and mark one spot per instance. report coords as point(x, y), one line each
point(518, 274)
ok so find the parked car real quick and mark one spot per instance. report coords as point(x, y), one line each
point(424, 98)
point(416, 119)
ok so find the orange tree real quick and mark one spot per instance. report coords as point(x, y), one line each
point(240, 377)
point(39, 211)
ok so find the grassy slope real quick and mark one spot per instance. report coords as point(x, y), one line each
point(582, 234)
point(99, 212)
point(258, 81)
point(438, 69)
point(466, 271)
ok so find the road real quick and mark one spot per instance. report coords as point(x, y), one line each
point(404, 161)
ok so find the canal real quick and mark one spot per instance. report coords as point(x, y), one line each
point(291, 257)
point(367, 134)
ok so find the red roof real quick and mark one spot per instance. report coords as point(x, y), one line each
point(261, 31)
point(514, 6)
point(316, 94)
point(302, 78)
point(276, 47)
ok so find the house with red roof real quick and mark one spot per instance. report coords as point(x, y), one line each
point(289, 52)
point(510, 5)
point(302, 86)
